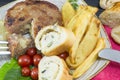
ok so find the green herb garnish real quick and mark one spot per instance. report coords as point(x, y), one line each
point(74, 4)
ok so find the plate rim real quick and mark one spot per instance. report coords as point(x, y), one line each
point(107, 62)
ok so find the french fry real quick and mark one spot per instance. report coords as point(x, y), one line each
point(67, 12)
point(86, 28)
point(89, 41)
point(82, 29)
point(87, 45)
point(90, 60)
point(83, 12)
point(78, 25)
point(71, 24)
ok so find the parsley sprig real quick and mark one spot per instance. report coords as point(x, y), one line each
point(74, 3)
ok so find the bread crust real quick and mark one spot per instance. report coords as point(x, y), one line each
point(111, 17)
point(67, 39)
point(115, 34)
point(63, 72)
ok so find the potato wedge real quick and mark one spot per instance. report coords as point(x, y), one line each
point(87, 45)
point(71, 24)
point(79, 24)
point(82, 12)
point(89, 41)
point(67, 12)
point(82, 24)
point(90, 59)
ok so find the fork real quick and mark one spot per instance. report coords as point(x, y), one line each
point(4, 49)
point(109, 54)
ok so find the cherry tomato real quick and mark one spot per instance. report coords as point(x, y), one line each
point(63, 55)
point(34, 73)
point(26, 71)
point(31, 51)
point(24, 60)
point(36, 59)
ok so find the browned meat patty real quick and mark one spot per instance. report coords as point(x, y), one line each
point(38, 14)
point(18, 44)
point(41, 13)
point(17, 16)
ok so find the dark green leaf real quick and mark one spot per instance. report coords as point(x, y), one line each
point(6, 67)
point(25, 78)
point(13, 74)
point(12, 71)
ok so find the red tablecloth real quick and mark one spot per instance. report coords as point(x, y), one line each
point(112, 71)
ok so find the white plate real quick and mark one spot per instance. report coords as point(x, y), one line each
point(93, 70)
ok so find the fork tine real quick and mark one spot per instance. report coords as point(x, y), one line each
point(5, 53)
point(1, 48)
point(3, 42)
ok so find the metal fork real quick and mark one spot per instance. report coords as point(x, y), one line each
point(4, 49)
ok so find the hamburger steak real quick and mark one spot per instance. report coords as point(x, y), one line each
point(29, 17)
point(40, 13)
point(18, 44)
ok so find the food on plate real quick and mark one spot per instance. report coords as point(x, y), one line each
point(29, 17)
point(36, 13)
point(24, 60)
point(48, 13)
point(53, 68)
point(31, 51)
point(17, 16)
point(18, 44)
point(78, 24)
point(29, 63)
point(26, 71)
point(67, 12)
point(111, 16)
point(81, 18)
point(88, 42)
point(90, 59)
point(105, 4)
point(34, 73)
point(54, 39)
point(115, 34)
point(36, 59)
point(86, 29)
point(75, 3)
point(64, 55)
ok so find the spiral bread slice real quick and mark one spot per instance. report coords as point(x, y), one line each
point(106, 4)
point(54, 39)
point(53, 68)
point(111, 16)
point(115, 34)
